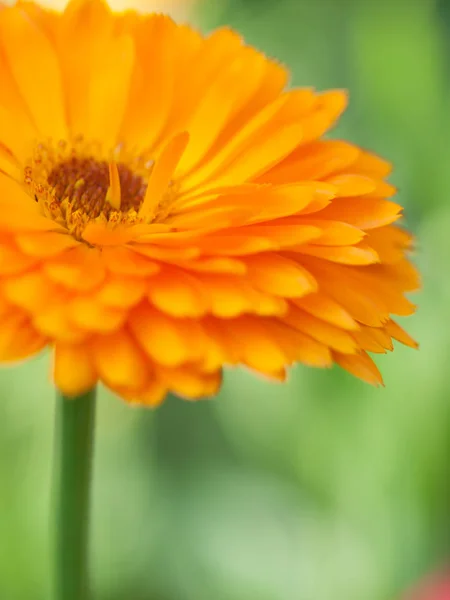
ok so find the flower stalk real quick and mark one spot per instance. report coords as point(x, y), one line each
point(74, 442)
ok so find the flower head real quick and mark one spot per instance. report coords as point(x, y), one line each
point(167, 207)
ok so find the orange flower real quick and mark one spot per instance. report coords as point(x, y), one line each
point(167, 208)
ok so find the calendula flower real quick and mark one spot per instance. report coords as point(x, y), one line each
point(167, 207)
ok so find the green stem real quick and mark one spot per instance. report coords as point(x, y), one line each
point(74, 436)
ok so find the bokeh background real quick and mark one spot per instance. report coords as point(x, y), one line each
point(320, 489)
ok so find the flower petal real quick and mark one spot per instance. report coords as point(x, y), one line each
point(167, 341)
point(177, 293)
point(35, 68)
point(32, 291)
point(331, 336)
point(73, 369)
point(44, 245)
point(398, 333)
point(19, 339)
point(365, 213)
point(280, 276)
point(322, 306)
point(360, 365)
point(119, 361)
point(79, 268)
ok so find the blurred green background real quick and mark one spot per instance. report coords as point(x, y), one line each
point(321, 489)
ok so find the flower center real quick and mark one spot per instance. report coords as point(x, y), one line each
point(84, 182)
point(75, 184)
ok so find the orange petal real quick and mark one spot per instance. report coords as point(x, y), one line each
point(151, 395)
point(390, 243)
point(80, 268)
point(365, 213)
point(223, 347)
point(192, 200)
point(121, 291)
point(338, 282)
point(16, 127)
point(97, 62)
point(298, 346)
point(291, 199)
point(12, 261)
point(86, 313)
point(335, 233)
point(162, 173)
point(82, 25)
point(167, 254)
point(73, 369)
point(325, 308)
point(262, 156)
point(360, 365)
point(108, 88)
point(46, 20)
point(19, 339)
point(119, 361)
point(191, 385)
point(15, 140)
point(156, 39)
point(177, 293)
point(214, 217)
point(21, 217)
point(245, 138)
point(274, 81)
point(376, 283)
point(258, 347)
point(46, 244)
point(372, 165)
point(237, 244)
point(399, 334)
point(352, 185)
point(172, 239)
point(231, 87)
point(230, 296)
point(373, 339)
point(197, 63)
point(400, 275)
point(167, 341)
point(323, 332)
point(125, 261)
point(284, 235)
point(99, 234)
point(32, 291)
point(18, 211)
point(216, 265)
point(113, 195)
point(8, 163)
point(5, 307)
point(360, 254)
point(329, 106)
point(53, 322)
point(34, 64)
point(279, 276)
point(313, 161)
